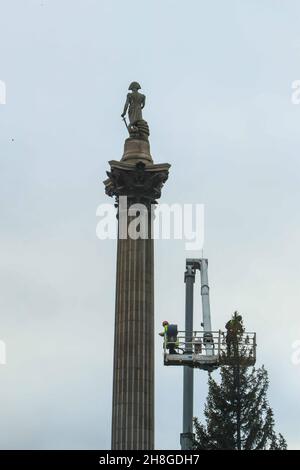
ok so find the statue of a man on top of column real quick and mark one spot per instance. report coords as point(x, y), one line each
point(135, 103)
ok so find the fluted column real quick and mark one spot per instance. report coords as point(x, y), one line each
point(133, 375)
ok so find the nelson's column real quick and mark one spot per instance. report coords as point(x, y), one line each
point(136, 183)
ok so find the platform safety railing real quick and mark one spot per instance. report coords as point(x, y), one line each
point(226, 349)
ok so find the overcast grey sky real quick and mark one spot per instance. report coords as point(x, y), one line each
point(218, 78)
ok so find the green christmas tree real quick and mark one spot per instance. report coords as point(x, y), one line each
point(237, 413)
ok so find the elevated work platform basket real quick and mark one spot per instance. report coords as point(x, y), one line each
point(208, 351)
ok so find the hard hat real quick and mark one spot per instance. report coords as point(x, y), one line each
point(165, 322)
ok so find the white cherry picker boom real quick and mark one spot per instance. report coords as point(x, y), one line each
point(202, 349)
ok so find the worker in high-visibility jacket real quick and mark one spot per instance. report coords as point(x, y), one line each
point(170, 337)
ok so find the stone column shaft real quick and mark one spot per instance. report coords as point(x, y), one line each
point(137, 178)
point(133, 382)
